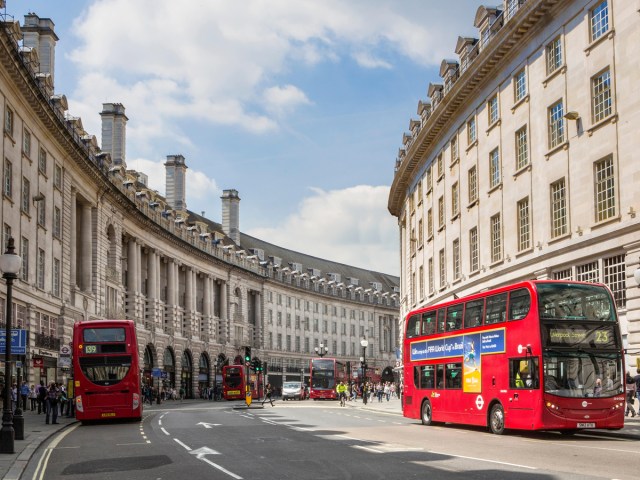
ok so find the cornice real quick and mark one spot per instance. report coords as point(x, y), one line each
point(478, 73)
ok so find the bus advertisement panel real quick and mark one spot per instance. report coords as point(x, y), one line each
point(326, 374)
point(106, 370)
point(537, 355)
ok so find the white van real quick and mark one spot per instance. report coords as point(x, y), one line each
point(294, 391)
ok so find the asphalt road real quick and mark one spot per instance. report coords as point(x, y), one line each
point(318, 440)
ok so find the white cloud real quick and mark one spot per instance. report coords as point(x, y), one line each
point(284, 99)
point(350, 226)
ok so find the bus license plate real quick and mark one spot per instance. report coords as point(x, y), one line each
point(110, 414)
point(586, 425)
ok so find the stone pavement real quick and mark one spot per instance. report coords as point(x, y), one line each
point(391, 406)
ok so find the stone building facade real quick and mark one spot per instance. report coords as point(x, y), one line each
point(96, 242)
point(522, 163)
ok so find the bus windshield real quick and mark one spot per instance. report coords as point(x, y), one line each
point(233, 377)
point(323, 375)
point(570, 301)
point(582, 374)
point(105, 370)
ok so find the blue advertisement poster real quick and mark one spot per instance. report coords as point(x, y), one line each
point(18, 342)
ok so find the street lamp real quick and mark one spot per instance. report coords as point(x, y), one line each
point(321, 350)
point(10, 265)
point(365, 343)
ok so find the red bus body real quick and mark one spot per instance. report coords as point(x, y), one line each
point(326, 374)
point(233, 383)
point(106, 370)
point(536, 355)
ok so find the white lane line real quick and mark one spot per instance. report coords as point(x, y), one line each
point(222, 469)
point(134, 443)
point(483, 460)
point(164, 431)
point(367, 449)
point(186, 447)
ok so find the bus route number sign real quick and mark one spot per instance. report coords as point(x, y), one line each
point(90, 349)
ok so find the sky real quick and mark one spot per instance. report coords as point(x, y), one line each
point(299, 105)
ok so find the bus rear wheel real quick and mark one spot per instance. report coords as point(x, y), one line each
point(496, 419)
point(427, 413)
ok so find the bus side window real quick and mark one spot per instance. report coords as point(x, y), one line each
point(429, 322)
point(473, 313)
point(427, 378)
point(440, 375)
point(454, 317)
point(441, 320)
point(496, 308)
point(413, 326)
point(416, 377)
point(519, 304)
point(454, 375)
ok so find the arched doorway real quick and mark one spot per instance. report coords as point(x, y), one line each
point(186, 374)
point(147, 366)
point(204, 371)
point(170, 368)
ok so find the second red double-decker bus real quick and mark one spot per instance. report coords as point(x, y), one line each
point(233, 383)
point(325, 375)
point(537, 355)
point(106, 370)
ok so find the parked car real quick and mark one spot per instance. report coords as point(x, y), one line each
point(294, 391)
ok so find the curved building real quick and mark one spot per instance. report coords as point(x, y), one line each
point(521, 165)
point(97, 242)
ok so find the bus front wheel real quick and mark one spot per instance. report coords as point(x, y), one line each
point(496, 419)
point(427, 413)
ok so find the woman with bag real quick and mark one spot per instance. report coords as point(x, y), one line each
point(631, 395)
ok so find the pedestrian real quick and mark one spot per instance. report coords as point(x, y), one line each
point(14, 397)
point(33, 398)
point(387, 390)
point(268, 391)
point(181, 392)
point(42, 395)
point(24, 394)
point(364, 393)
point(51, 404)
point(631, 395)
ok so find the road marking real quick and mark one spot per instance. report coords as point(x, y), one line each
point(483, 460)
point(164, 431)
point(44, 460)
point(134, 443)
point(186, 447)
point(222, 469)
point(367, 449)
point(209, 425)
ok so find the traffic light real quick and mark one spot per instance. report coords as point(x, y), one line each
point(264, 367)
point(247, 354)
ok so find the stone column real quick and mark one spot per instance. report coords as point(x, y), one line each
point(73, 246)
point(188, 291)
point(223, 301)
point(152, 260)
point(87, 250)
point(131, 267)
point(171, 283)
point(207, 290)
point(137, 266)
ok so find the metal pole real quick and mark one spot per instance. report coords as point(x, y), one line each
point(7, 434)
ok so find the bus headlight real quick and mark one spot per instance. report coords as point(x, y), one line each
point(79, 406)
point(136, 401)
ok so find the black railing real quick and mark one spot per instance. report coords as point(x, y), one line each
point(47, 341)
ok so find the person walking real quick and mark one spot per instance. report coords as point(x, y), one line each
point(51, 404)
point(268, 391)
point(42, 395)
point(33, 398)
point(24, 394)
point(631, 395)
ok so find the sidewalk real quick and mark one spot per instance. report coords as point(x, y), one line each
point(35, 433)
point(392, 406)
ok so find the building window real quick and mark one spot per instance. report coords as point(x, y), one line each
point(42, 160)
point(473, 184)
point(454, 149)
point(455, 200)
point(421, 281)
point(24, 253)
point(492, 109)
point(413, 239)
point(565, 274)
point(429, 178)
point(26, 143)
point(443, 268)
point(430, 272)
point(589, 272)
point(8, 121)
point(6, 235)
point(56, 277)
point(440, 167)
point(474, 250)
point(420, 234)
point(456, 259)
point(605, 189)
point(494, 168)
point(599, 20)
point(440, 212)
point(496, 238)
point(520, 85)
point(558, 209)
point(430, 223)
point(413, 288)
point(40, 275)
point(8, 178)
point(601, 96)
point(553, 52)
point(471, 131)
point(57, 177)
point(42, 212)
point(556, 124)
point(26, 195)
point(522, 149)
point(614, 278)
point(524, 225)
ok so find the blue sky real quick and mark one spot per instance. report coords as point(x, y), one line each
point(300, 105)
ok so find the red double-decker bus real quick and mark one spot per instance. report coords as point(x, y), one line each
point(325, 375)
point(106, 370)
point(233, 383)
point(536, 355)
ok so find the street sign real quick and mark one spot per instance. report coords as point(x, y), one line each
point(65, 351)
point(156, 372)
point(164, 375)
point(18, 342)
